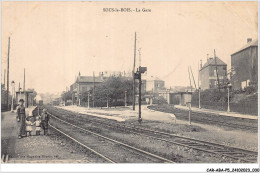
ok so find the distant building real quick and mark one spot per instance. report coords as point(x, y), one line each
point(153, 84)
point(107, 74)
point(27, 96)
point(208, 73)
point(81, 85)
point(181, 98)
point(176, 97)
point(244, 64)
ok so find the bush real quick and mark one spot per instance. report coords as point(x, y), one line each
point(213, 99)
point(159, 100)
point(250, 90)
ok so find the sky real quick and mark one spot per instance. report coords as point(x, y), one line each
point(53, 41)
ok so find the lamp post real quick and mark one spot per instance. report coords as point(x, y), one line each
point(189, 106)
point(79, 98)
point(199, 99)
point(20, 93)
point(13, 88)
point(125, 98)
point(229, 86)
point(88, 100)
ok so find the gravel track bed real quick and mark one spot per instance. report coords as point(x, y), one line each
point(176, 153)
point(112, 150)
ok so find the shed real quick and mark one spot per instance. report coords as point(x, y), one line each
point(181, 98)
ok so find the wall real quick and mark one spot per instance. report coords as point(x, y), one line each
point(245, 66)
point(204, 78)
point(222, 73)
point(154, 85)
point(208, 76)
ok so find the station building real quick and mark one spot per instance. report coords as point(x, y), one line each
point(83, 84)
point(208, 73)
point(244, 65)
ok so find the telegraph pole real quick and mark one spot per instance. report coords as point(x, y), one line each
point(134, 74)
point(25, 101)
point(199, 83)
point(24, 80)
point(216, 70)
point(198, 75)
point(19, 92)
point(8, 73)
point(4, 77)
point(190, 80)
point(193, 78)
point(93, 90)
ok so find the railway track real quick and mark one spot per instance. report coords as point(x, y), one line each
point(237, 154)
point(111, 150)
point(202, 118)
point(212, 119)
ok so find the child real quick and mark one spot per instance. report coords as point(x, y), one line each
point(37, 125)
point(28, 127)
point(44, 121)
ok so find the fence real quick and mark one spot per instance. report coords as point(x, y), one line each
point(246, 107)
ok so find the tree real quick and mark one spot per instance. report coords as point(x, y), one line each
point(66, 96)
point(112, 90)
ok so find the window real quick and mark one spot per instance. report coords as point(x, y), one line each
point(243, 84)
point(215, 72)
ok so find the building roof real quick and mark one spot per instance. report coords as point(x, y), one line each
point(89, 79)
point(250, 44)
point(182, 92)
point(27, 91)
point(151, 78)
point(212, 61)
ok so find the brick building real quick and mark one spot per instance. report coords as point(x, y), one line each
point(153, 84)
point(208, 73)
point(81, 85)
point(244, 64)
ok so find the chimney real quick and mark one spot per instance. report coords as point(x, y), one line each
point(249, 40)
point(200, 64)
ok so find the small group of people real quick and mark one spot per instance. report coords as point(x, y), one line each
point(27, 122)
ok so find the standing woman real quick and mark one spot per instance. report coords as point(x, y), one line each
point(21, 118)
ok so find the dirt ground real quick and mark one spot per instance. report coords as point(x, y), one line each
point(53, 148)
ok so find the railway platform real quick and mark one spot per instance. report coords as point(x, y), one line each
point(222, 113)
point(122, 113)
point(33, 149)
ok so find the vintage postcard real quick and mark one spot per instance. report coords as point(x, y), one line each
point(170, 83)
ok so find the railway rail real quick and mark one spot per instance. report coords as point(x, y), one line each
point(100, 144)
point(203, 117)
point(239, 154)
point(212, 119)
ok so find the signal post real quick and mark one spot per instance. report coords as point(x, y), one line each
point(138, 75)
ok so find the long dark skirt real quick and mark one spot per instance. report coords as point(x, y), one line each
point(21, 125)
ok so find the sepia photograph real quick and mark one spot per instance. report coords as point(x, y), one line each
point(165, 83)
